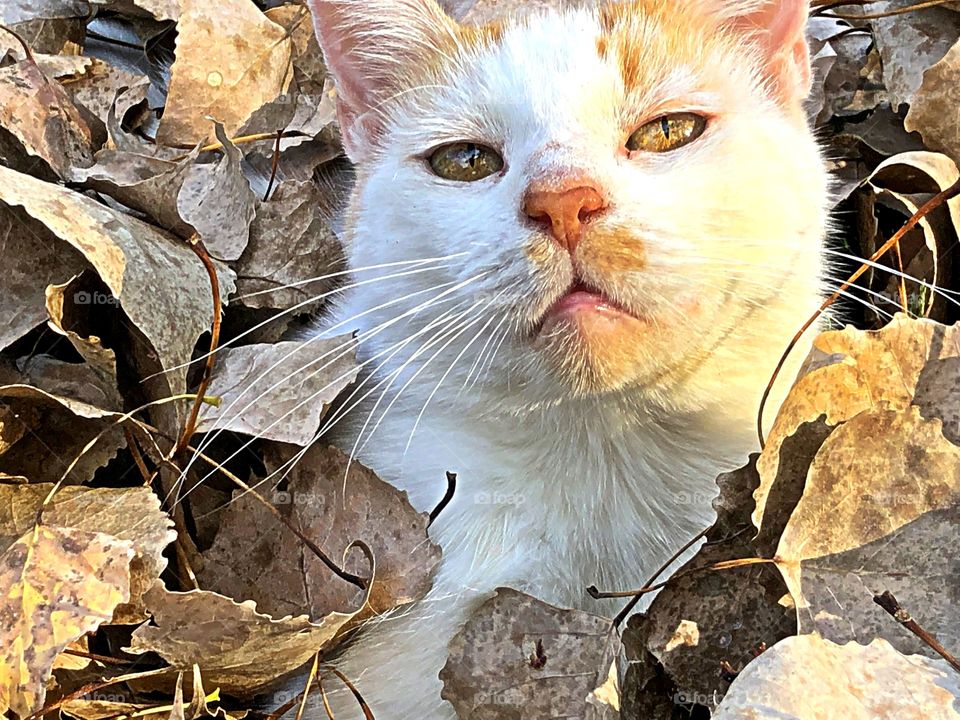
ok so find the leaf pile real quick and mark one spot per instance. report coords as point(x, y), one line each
point(170, 524)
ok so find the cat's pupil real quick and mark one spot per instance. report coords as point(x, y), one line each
point(665, 127)
point(472, 155)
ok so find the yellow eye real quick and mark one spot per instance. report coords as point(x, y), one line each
point(667, 133)
point(465, 161)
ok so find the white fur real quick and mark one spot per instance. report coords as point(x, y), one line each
point(560, 489)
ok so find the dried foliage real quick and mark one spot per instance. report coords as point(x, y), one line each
point(167, 519)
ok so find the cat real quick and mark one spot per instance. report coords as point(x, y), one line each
point(602, 226)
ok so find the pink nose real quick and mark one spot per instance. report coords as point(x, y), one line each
point(564, 210)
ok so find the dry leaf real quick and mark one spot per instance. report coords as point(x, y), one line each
point(41, 434)
point(518, 657)
point(279, 392)
point(43, 118)
point(288, 575)
point(933, 111)
point(808, 678)
point(231, 60)
point(867, 522)
point(56, 584)
point(238, 649)
point(129, 514)
point(48, 26)
point(160, 284)
point(292, 249)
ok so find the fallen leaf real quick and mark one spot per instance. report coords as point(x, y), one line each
point(491, 673)
point(281, 391)
point(292, 251)
point(808, 678)
point(129, 514)
point(333, 508)
point(933, 110)
point(56, 584)
point(231, 60)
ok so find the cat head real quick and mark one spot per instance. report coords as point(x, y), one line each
point(629, 198)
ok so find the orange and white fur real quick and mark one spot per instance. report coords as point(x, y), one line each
point(592, 326)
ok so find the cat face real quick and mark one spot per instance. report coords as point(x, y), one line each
point(629, 198)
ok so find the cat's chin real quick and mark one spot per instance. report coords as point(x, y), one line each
point(591, 342)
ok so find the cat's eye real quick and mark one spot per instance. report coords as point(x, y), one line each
point(666, 133)
point(465, 161)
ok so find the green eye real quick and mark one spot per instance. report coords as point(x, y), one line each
point(465, 161)
point(667, 133)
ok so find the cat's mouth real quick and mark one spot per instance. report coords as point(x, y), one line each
point(583, 302)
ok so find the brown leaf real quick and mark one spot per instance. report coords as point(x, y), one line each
point(518, 658)
point(32, 258)
point(160, 284)
point(238, 649)
point(41, 434)
point(281, 391)
point(808, 678)
point(56, 584)
point(868, 521)
point(48, 26)
point(43, 118)
point(218, 202)
point(933, 110)
point(292, 248)
point(129, 514)
point(287, 577)
point(231, 60)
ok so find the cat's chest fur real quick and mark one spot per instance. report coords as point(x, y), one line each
point(550, 500)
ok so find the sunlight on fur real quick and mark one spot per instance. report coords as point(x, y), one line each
point(619, 214)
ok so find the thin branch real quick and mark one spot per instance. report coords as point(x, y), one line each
point(447, 497)
point(886, 13)
point(888, 602)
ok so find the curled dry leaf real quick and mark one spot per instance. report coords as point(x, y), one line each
point(231, 60)
point(934, 109)
point(808, 678)
point(292, 249)
point(32, 259)
point(238, 649)
point(218, 202)
point(56, 584)
point(280, 391)
point(333, 508)
point(518, 657)
point(41, 115)
point(160, 284)
point(41, 434)
point(129, 514)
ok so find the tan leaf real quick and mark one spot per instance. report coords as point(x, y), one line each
point(808, 678)
point(519, 658)
point(48, 26)
point(868, 521)
point(292, 249)
point(934, 109)
point(850, 371)
point(129, 514)
point(56, 584)
point(279, 392)
point(161, 285)
point(43, 118)
point(287, 577)
point(238, 649)
point(231, 60)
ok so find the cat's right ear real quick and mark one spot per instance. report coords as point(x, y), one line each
point(376, 49)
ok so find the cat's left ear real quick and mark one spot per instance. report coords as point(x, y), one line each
point(377, 50)
point(778, 30)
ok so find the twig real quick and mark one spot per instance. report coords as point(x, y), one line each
point(92, 656)
point(628, 608)
point(26, 47)
point(447, 497)
point(137, 457)
point(886, 13)
point(93, 687)
point(196, 244)
point(888, 602)
point(929, 206)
